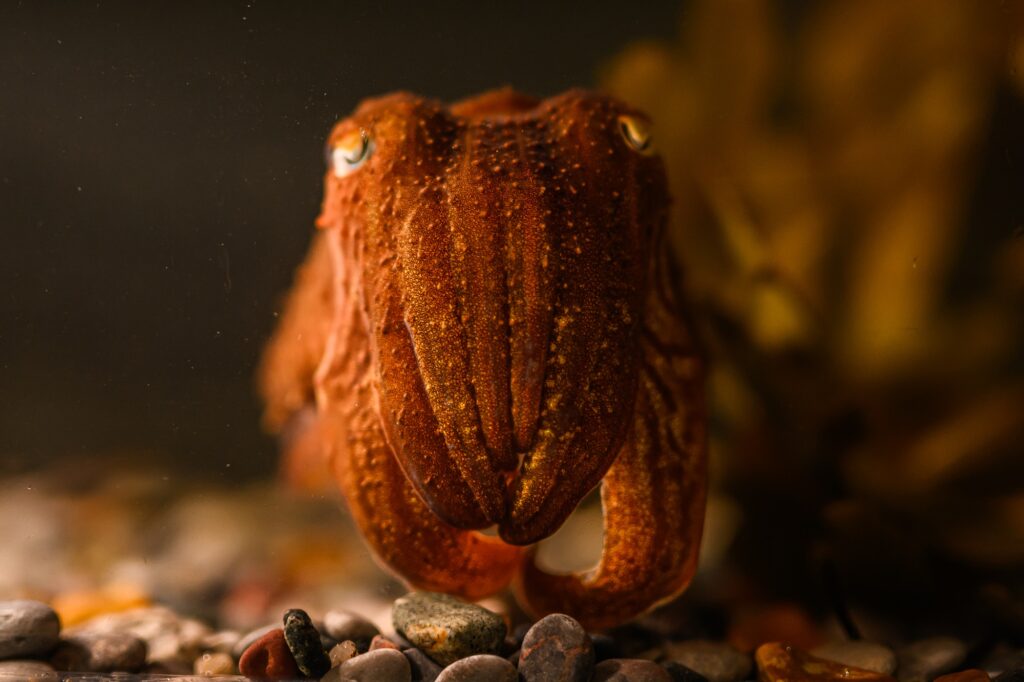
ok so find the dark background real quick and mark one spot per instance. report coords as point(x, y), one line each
point(160, 169)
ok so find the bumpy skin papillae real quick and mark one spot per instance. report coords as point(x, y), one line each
point(653, 496)
point(491, 308)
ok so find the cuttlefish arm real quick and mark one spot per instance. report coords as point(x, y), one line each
point(653, 495)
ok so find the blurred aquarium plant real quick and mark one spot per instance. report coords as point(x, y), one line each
point(847, 181)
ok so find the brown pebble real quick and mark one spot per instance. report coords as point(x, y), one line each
point(777, 662)
point(630, 670)
point(217, 663)
point(972, 675)
point(382, 642)
point(341, 652)
point(269, 657)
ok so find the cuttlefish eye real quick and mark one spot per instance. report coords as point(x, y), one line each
point(637, 133)
point(350, 152)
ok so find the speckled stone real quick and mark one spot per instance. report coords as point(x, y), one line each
point(479, 668)
point(100, 653)
point(341, 652)
point(382, 665)
point(556, 649)
point(304, 642)
point(864, 655)
point(345, 625)
point(716, 661)
point(926, 659)
point(269, 656)
point(446, 628)
point(27, 628)
point(680, 673)
point(423, 669)
point(630, 670)
point(216, 663)
point(27, 671)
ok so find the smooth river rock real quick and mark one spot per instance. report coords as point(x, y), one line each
point(27, 628)
point(446, 628)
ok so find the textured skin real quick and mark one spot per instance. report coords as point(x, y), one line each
point(488, 328)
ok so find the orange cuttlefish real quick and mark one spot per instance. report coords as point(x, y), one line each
point(487, 326)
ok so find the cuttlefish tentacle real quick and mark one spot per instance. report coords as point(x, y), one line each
point(407, 536)
point(653, 495)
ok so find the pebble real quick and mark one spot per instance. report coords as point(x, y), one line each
point(1011, 676)
point(680, 673)
point(865, 655)
point(100, 653)
point(174, 642)
point(972, 675)
point(446, 628)
point(222, 640)
point(216, 663)
point(556, 649)
point(716, 661)
point(248, 638)
point(926, 659)
point(382, 665)
point(480, 668)
point(27, 671)
point(341, 652)
point(345, 625)
point(630, 670)
point(423, 669)
point(27, 628)
point(778, 662)
point(269, 656)
point(304, 642)
point(382, 642)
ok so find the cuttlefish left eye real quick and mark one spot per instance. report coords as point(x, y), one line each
point(637, 133)
point(351, 152)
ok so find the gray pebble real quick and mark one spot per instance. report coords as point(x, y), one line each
point(345, 625)
point(446, 628)
point(28, 671)
point(379, 665)
point(479, 668)
point(926, 659)
point(630, 670)
point(556, 649)
point(100, 653)
point(423, 669)
point(716, 661)
point(27, 628)
point(864, 655)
